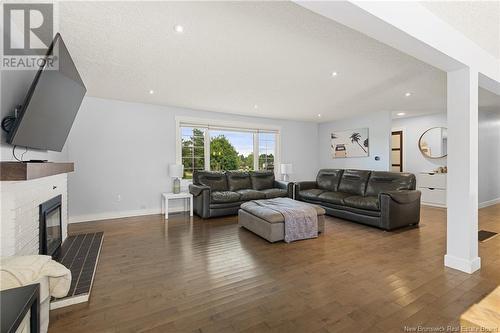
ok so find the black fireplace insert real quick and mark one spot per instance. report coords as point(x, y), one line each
point(50, 226)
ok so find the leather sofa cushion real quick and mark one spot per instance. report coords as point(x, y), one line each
point(328, 179)
point(381, 181)
point(238, 180)
point(215, 180)
point(249, 194)
point(275, 193)
point(311, 194)
point(369, 203)
point(367, 212)
point(225, 205)
point(354, 181)
point(262, 180)
point(333, 197)
point(225, 196)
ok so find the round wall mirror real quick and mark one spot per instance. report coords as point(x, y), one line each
point(433, 142)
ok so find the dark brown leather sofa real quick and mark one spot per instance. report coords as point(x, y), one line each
point(386, 200)
point(222, 193)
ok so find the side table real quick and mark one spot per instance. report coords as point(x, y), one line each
point(168, 196)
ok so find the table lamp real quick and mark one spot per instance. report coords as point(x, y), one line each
point(176, 171)
point(286, 170)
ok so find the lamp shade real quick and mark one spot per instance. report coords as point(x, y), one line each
point(175, 170)
point(286, 169)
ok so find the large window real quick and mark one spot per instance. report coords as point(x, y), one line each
point(205, 147)
point(193, 150)
point(267, 151)
point(231, 150)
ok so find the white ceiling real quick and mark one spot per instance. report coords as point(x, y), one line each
point(477, 20)
point(234, 55)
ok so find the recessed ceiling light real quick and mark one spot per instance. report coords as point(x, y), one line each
point(151, 92)
point(334, 74)
point(319, 115)
point(178, 28)
point(255, 106)
point(400, 113)
point(408, 94)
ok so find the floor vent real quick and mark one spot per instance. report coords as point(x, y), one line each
point(80, 254)
point(484, 235)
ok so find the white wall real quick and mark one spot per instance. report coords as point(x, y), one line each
point(123, 149)
point(379, 124)
point(489, 157)
point(489, 151)
point(414, 161)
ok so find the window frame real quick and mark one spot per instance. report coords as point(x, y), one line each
point(228, 126)
point(180, 136)
point(257, 152)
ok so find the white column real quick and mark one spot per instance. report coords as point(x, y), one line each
point(462, 182)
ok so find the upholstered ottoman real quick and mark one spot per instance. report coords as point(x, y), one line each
point(268, 223)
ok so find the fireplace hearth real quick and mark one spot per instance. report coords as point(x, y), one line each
point(50, 226)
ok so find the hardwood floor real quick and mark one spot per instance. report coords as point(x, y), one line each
point(212, 276)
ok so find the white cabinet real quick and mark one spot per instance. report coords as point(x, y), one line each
point(433, 188)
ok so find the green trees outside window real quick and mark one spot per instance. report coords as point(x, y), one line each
point(223, 153)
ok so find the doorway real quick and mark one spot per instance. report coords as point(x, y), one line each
point(397, 151)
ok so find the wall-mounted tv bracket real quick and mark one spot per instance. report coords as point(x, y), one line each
point(9, 121)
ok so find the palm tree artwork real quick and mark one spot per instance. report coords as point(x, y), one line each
point(349, 143)
point(355, 137)
point(333, 137)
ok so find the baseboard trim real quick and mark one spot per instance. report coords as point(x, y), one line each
point(489, 203)
point(120, 214)
point(464, 265)
point(480, 205)
point(433, 205)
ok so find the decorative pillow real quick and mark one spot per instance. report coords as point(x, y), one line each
point(262, 180)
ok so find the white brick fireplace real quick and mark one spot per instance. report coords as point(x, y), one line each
point(20, 202)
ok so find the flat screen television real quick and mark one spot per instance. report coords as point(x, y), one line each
point(51, 104)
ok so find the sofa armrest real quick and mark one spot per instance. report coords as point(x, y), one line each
point(201, 200)
point(196, 190)
point(306, 185)
point(399, 208)
point(402, 196)
point(288, 186)
point(281, 184)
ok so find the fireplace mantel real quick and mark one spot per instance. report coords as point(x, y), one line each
point(15, 171)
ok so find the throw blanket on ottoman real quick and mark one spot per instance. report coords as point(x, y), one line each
point(301, 219)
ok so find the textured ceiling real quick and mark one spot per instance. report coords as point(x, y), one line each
point(235, 55)
point(477, 20)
